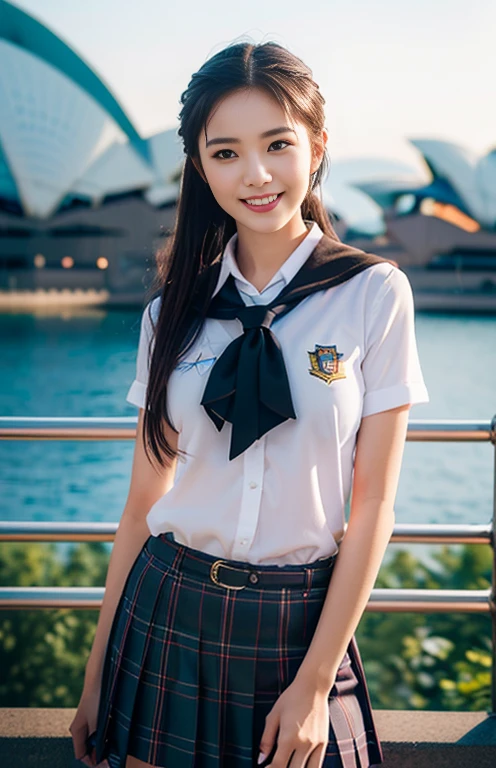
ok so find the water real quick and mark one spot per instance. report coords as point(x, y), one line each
point(66, 366)
point(83, 365)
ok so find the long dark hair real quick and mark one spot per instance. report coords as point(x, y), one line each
point(202, 228)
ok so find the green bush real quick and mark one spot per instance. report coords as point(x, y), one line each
point(435, 661)
point(44, 651)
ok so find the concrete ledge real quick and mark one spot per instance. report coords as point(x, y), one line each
point(39, 738)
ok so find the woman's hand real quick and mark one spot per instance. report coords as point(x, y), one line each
point(83, 725)
point(301, 713)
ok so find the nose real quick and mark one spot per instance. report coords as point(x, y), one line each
point(256, 173)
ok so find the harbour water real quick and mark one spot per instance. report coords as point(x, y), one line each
point(82, 363)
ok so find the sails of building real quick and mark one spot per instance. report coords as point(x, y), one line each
point(84, 199)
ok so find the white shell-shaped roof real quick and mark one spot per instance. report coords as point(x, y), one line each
point(468, 174)
point(118, 169)
point(166, 154)
point(49, 129)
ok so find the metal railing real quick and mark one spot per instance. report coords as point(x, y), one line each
point(384, 600)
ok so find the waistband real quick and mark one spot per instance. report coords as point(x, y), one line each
point(238, 574)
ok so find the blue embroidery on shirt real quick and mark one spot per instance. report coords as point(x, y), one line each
point(200, 365)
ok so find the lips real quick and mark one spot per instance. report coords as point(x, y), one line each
point(263, 207)
point(244, 199)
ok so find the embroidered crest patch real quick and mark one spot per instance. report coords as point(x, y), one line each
point(325, 363)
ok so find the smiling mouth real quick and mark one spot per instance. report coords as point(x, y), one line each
point(260, 200)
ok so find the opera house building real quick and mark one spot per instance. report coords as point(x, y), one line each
point(443, 234)
point(85, 200)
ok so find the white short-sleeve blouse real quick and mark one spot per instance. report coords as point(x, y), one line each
point(283, 500)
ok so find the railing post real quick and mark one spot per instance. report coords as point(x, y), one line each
point(492, 597)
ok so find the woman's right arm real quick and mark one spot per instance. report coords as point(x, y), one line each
point(146, 487)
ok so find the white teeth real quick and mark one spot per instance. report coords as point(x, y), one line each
point(263, 201)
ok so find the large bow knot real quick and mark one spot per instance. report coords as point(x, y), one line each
point(256, 316)
point(248, 386)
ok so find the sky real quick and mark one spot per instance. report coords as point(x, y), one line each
point(388, 69)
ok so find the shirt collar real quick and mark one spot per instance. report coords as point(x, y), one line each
point(284, 274)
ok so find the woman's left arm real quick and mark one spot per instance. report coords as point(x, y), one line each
point(301, 712)
point(378, 458)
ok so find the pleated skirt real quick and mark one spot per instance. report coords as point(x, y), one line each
point(192, 668)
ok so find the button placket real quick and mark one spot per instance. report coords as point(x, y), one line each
point(253, 469)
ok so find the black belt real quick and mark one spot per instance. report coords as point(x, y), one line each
point(230, 574)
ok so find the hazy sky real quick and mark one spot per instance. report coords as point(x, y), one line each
point(388, 69)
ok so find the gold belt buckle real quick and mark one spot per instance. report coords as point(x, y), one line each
point(214, 571)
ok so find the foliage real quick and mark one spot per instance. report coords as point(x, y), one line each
point(435, 661)
point(44, 651)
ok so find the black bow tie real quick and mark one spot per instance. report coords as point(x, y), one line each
point(248, 384)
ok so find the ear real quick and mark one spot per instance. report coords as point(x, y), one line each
point(318, 151)
point(197, 163)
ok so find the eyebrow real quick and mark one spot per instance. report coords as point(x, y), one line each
point(231, 140)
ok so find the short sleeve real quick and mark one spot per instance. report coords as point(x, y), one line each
point(391, 367)
point(137, 391)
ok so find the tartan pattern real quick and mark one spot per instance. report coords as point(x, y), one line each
point(192, 669)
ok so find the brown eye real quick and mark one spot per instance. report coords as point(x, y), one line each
point(217, 154)
point(281, 141)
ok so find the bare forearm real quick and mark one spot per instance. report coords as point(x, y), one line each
point(361, 553)
point(130, 536)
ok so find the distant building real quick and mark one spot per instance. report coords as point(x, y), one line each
point(84, 199)
point(453, 217)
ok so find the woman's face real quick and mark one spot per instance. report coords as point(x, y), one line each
point(240, 163)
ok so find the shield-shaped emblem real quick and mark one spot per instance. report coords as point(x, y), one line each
point(326, 365)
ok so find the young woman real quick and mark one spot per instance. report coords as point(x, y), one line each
point(275, 370)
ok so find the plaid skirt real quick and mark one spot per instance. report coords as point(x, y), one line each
point(199, 651)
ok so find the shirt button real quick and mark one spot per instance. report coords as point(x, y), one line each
point(253, 578)
point(253, 484)
point(243, 542)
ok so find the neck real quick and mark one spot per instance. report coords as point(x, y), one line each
point(260, 254)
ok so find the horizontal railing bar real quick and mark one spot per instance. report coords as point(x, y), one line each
point(443, 533)
point(384, 600)
point(124, 428)
point(426, 533)
point(68, 427)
